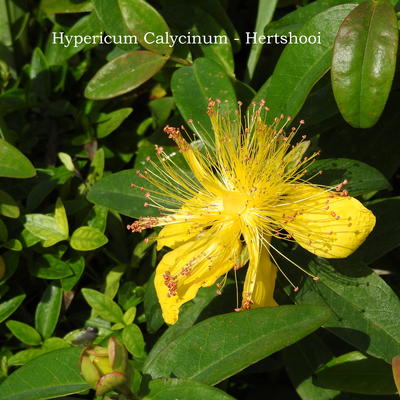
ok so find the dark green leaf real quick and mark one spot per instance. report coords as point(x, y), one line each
point(48, 310)
point(362, 178)
point(365, 310)
point(364, 61)
point(54, 374)
point(103, 305)
point(50, 267)
point(221, 346)
point(13, 164)
point(11, 259)
point(356, 373)
point(109, 13)
point(301, 66)
point(9, 306)
point(302, 359)
point(109, 122)
point(123, 74)
point(25, 333)
point(193, 86)
point(167, 389)
point(146, 24)
point(77, 265)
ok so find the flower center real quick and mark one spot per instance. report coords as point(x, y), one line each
point(235, 203)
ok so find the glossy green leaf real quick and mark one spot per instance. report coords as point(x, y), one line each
point(133, 340)
point(349, 373)
point(265, 12)
point(301, 360)
point(110, 15)
point(24, 332)
point(103, 305)
point(65, 6)
point(293, 21)
point(123, 74)
point(24, 356)
point(50, 267)
point(58, 50)
point(45, 228)
point(167, 389)
point(8, 207)
point(362, 177)
point(301, 66)
point(48, 310)
point(364, 61)
point(107, 123)
point(13, 164)
point(86, 238)
point(145, 23)
point(364, 308)
point(54, 374)
point(193, 86)
point(221, 346)
point(8, 307)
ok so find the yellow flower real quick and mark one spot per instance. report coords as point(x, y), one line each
point(246, 186)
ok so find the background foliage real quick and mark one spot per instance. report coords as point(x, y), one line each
point(75, 124)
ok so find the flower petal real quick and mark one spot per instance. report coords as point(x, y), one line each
point(327, 224)
point(259, 285)
point(175, 234)
point(195, 264)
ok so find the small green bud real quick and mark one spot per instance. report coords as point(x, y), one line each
point(109, 382)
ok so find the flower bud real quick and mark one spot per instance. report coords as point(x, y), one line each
point(106, 368)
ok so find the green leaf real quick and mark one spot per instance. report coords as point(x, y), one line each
point(11, 259)
point(396, 371)
point(364, 61)
point(8, 206)
point(60, 216)
point(107, 123)
point(40, 75)
point(45, 228)
point(10, 306)
point(58, 51)
point(364, 308)
point(48, 310)
point(13, 164)
point(146, 24)
point(301, 360)
point(193, 86)
point(123, 74)
point(265, 12)
point(103, 305)
point(77, 265)
point(25, 333)
point(349, 373)
point(13, 244)
point(54, 374)
point(294, 20)
point(110, 15)
point(133, 340)
point(50, 267)
point(362, 177)
point(301, 66)
point(3, 231)
point(221, 346)
point(182, 389)
point(86, 238)
point(65, 6)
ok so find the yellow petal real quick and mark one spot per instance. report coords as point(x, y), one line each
point(175, 234)
point(325, 223)
point(259, 285)
point(195, 264)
